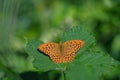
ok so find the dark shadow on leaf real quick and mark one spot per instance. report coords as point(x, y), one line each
point(42, 52)
point(49, 75)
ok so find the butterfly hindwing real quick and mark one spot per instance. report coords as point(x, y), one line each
point(56, 58)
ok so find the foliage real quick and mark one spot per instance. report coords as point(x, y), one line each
point(46, 20)
point(90, 65)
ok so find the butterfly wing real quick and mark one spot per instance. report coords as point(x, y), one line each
point(70, 48)
point(52, 50)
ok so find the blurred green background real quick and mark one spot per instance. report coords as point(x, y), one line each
point(21, 20)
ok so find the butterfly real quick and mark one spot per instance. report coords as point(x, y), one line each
point(62, 52)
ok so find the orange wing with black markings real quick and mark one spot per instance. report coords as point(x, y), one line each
point(61, 53)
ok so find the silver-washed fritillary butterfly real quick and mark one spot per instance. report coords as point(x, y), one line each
point(63, 52)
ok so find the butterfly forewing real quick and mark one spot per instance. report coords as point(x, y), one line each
point(51, 49)
point(70, 48)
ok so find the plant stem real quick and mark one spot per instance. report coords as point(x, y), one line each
point(63, 74)
point(63, 69)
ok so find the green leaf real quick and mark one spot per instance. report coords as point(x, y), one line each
point(92, 65)
point(89, 64)
point(41, 61)
point(79, 33)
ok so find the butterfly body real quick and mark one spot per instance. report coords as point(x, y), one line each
point(63, 52)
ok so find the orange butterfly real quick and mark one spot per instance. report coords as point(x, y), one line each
point(63, 52)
